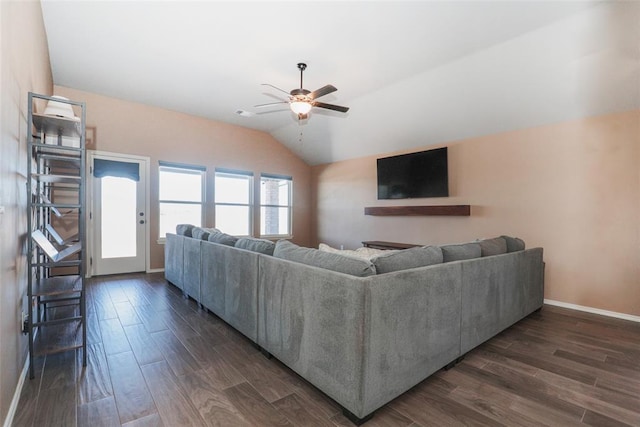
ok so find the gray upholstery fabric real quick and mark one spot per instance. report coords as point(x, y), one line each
point(222, 238)
point(327, 260)
point(192, 267)
point(184, 229)
point(514, 244)
point(497, 292)
point(230, 286)
point(408, 258)
point(496, 246)
point(173, 259)
point(262, 246)
point(201, 233)
point(312, 320)
point(461, 252)
point(413, 329)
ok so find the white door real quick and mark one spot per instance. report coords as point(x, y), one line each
point(118, 218)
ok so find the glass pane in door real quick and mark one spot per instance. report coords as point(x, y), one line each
point(119, 217)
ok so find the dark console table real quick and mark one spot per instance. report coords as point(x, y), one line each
point(378, 244)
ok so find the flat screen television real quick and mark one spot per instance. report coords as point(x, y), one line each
point(414, 175)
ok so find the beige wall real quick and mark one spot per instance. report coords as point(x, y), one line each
point(131, 128)
point(24, 60)
point(571, 188)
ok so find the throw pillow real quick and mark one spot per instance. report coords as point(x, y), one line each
point(202, 233)
point(408, 258)
point(327, 260)
point(461, 252)
point(514, 244)
point(184, 229)
point(365, 253)
point(222, 238)
point(262, 246)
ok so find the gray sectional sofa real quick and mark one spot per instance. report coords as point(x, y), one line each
point(361, 336)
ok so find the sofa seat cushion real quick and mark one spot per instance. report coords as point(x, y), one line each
point(408, 258)
point(496, 246)
point(514, 244)
point(184, 229)
point(327, 260)
point(222, 238)
point(461, 251)
point(262, 246)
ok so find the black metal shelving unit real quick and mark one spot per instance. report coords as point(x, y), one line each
point(56, 181)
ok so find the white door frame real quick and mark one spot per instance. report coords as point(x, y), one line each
point(92, 154)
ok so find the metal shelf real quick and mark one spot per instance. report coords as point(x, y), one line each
point(55, 125)
point(58, 337)
point(58, 285)
point(55, 149)
point(56, 179)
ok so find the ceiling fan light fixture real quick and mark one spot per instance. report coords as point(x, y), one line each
point(300, 107)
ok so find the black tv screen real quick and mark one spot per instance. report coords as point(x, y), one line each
point(409, 176)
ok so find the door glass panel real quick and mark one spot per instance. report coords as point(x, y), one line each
point(119, 217)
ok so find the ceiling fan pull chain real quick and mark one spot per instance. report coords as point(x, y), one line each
point(301, 133)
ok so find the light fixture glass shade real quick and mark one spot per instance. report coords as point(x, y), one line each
point(300, 107)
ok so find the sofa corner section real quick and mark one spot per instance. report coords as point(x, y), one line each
point(413, 329)
point(497, 292)
point(312, 320)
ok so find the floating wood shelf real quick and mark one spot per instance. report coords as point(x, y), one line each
point(443, 210)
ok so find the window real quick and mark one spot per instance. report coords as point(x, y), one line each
point(233, 202)
point(181, 196)
point(275, 205)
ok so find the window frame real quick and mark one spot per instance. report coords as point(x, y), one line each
point(186, 169)
point(289, 206)
point(234, 173)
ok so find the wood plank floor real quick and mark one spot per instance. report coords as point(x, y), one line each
point(155, 359)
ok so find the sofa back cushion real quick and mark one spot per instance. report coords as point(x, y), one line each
point(461, 251)
point(327, 260)
point(201, 233)
point(514, 244)
point(496, 246)
point(408, 258)
point(222, 238)
point(184, 229)
point(262, 246)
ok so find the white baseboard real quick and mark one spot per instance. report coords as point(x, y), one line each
point(155, 270)
point(16, 396)
point(608, 313)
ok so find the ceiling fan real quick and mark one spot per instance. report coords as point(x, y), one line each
point(301, 100)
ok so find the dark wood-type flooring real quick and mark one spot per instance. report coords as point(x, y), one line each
point(156, 359)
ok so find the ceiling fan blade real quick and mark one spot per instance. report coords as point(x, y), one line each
point(270, 104)
point(330, 107)
point(322, 91)
point(275, 87)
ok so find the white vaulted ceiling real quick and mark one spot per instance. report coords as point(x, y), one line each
point(413, 73)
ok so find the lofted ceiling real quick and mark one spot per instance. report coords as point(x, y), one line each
point(413, 73)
